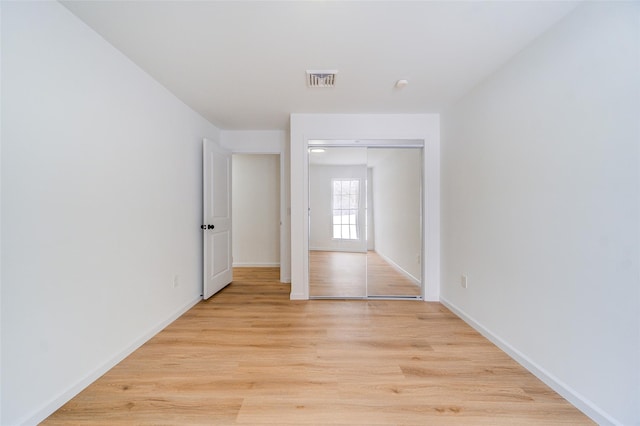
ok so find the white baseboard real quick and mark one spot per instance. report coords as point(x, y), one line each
point(344, 250)
point(256, 265)
point(579, 401)
point(52, 405)
point(399, 269)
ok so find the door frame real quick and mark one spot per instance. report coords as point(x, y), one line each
point(354, 128)
point(280, 174)
point(367, 144)
point(273, 143)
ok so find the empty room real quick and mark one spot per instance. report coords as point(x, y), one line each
point(320, 212)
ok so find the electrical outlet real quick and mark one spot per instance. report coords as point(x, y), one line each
point(463, 281)
point(176, 281)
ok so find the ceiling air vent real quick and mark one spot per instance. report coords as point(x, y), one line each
point(321, 78)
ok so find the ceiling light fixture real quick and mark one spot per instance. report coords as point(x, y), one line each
point(401, 83)
point(317, 150)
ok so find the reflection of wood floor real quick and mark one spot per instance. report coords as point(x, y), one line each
point(345, 274)
point(251, 356)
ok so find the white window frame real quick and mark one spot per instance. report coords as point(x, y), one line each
point(356, 225)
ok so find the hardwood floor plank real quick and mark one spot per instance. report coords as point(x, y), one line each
point(249, 355)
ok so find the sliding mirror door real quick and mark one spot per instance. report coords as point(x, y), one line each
point(337, 222)
point(365, 222)
point(394, 259)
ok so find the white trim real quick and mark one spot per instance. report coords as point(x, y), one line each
point(256, 265)
point(56, 402)
point(431, 215)
point(396, 143)
point(397, 267)
point(268, 142)
point(344, 250)
point(579, 401)
point(332, 127)
point(298, 296)
point(285, 274)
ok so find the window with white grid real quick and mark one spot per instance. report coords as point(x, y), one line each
point(346, 198)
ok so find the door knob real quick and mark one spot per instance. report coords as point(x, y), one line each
point(210, 226)
point(203, 226)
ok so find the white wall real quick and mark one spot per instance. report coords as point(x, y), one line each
point(363, 126)
point(321, 205)
point(540, 208)
point(254, 141)
point(269, 142)
point(101, 207)
point(256, 209)
point(396, 207)
point(371, 231)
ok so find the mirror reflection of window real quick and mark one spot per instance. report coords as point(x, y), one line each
point(346, 195)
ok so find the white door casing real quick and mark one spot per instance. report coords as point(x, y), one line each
point(216, 201)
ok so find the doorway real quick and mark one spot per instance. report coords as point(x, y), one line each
point(365, 221)
point(256, 210)
point(423, 129)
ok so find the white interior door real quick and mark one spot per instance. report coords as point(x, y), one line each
point(216, 171)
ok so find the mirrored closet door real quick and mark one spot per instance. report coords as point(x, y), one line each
point(365, 222)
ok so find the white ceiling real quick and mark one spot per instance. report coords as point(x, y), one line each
point(241, 64)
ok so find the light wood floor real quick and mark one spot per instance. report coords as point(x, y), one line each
point(347, 274)
point(249, 355)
